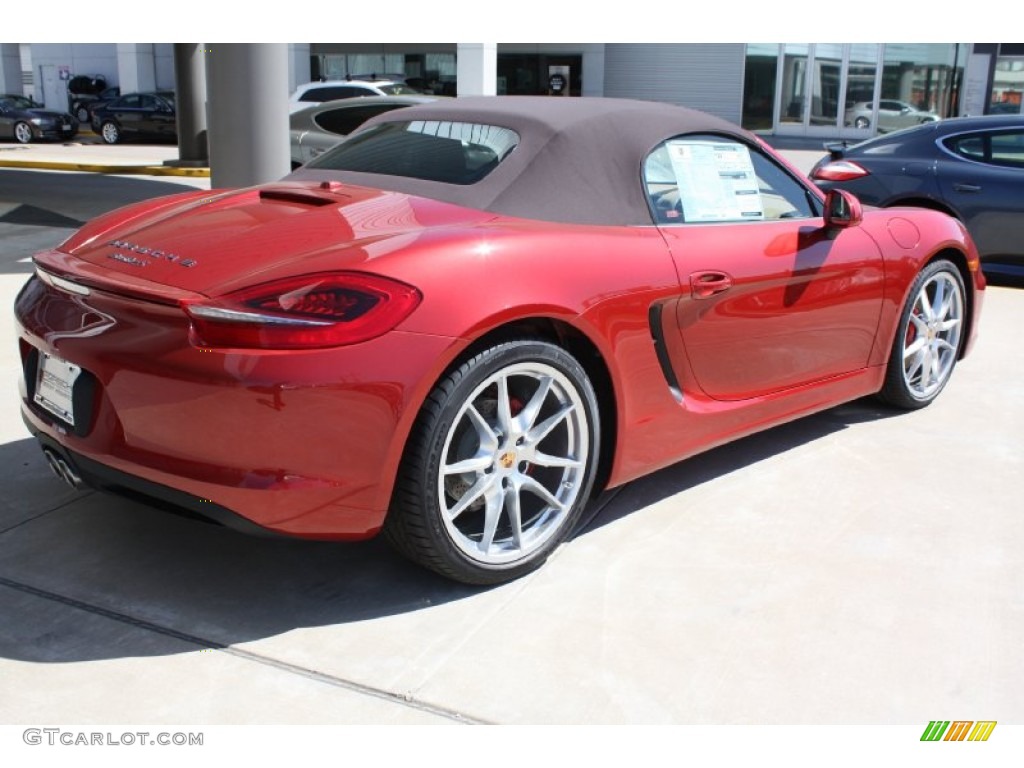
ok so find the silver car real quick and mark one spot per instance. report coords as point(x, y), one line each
point(318, 128)
point(892, 115)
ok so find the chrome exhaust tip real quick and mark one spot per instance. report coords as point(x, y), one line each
point(62, 469)
point(51, 460)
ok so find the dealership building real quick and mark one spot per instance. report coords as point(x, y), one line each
point(786, 89)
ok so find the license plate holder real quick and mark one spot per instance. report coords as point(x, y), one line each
point(55, 383)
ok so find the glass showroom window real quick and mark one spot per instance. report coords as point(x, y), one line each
point(1007, 86)
point(921, 75)
point(759, 80)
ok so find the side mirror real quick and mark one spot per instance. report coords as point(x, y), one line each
point(842, 209)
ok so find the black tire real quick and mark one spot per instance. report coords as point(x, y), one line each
point(110, 133)
point(928, 338)
point(23, 133)
point(461, 522)
point(862, 122)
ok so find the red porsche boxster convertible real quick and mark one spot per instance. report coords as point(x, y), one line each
point(459, 323)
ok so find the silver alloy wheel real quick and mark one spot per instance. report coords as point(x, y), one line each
point(110, 133)
point(23, 133)
point(931, 338)
point(861, 122)
point(82, 115)
point(513, 463)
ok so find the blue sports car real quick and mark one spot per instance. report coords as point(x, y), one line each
point(969, 167)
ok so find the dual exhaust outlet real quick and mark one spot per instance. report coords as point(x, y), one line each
point(63, 470)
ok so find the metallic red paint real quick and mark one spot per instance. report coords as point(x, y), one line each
point(308, 442)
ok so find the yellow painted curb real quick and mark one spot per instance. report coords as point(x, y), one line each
point(140, 170)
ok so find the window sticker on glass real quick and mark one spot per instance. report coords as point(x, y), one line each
point(716, 181)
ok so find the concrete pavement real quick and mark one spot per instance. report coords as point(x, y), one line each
point(860, 566)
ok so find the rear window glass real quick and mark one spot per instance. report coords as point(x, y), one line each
point(332, 92)
point(344, 120)
point(449, 152)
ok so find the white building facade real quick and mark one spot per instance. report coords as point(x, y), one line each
point(800, 89)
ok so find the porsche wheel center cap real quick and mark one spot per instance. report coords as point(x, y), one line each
point(507, 459)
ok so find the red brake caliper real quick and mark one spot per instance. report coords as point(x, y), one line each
point(911, 330)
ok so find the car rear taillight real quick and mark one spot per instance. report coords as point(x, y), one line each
point(838, 170)
point(307, 312)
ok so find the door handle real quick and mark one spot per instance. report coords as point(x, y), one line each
point(967, 187)
point(703, 285)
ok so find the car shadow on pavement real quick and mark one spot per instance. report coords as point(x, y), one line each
point(704, 467)
point(88, 576)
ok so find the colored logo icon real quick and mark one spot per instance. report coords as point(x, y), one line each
point(958, 730)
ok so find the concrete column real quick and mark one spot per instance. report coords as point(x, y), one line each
point(477, 69)
point(136, 69)
point(163, 66)
point(247, 88)
point(298, 65)
point(10, 68)
point(190, 83)
point(593, 69)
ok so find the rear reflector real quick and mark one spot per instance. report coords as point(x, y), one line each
point(307, 312)
point(839, 170)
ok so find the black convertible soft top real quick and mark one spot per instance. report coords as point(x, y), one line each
point(579, 160)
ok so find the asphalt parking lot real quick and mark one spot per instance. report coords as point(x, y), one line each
point(861, 566)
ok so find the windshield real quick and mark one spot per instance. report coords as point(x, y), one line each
point(20, 102)
point(435, 150)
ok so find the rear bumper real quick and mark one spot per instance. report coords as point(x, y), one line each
point(55, 134)
point(103, 478)
point(303, 443)
point(246, 500)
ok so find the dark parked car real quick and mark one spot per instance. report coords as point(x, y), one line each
point(83, 106)
point(137, 115)
point(24, 120)
point(969, 167)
